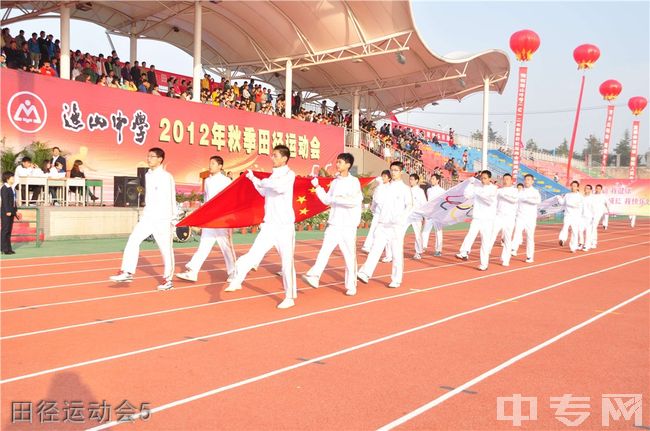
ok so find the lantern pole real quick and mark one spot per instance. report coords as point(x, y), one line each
point(575, 129)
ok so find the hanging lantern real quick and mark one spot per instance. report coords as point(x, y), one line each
point(586, 55)
point(637, 104)
point(524, 43)
point(610, 89)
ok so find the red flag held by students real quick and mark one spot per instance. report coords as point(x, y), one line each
point(239, 204)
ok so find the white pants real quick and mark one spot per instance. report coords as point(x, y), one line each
point(393, 237)
point(162, 233)
point(345, 237)
point(605, 220)
point(594, 229)
point(586, 232)
point(573, 223)
point(426, 231)
point(283, 238)
point(476, 227)
point(527, 225)
point(367, 244)
point(417, 230)
point(505, 226)
point(223, 237)
point(632, 220)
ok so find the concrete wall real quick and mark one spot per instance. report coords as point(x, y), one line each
point(78, 222)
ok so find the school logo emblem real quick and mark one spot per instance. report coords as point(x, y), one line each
point(27, 112)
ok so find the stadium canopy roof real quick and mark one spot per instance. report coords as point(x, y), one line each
point(337, 48)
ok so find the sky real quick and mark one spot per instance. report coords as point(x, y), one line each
point(620, 29)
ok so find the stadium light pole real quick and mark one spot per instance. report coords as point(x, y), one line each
point(65, 42)
point(288, 90)
point(486, 108)
point(196, 69)
point(133, 45)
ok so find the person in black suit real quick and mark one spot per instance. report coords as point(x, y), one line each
point(8, 196)
point(57, 157)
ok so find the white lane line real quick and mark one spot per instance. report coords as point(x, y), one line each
point(431, 404)
point(146, 292)
point(315, 313)
point(380, 340)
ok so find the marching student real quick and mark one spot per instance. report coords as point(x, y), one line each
point(9, 211)
point(277, 230)
point(526, 219)
point(214, 184)
point(587, 222)
point(601, 212)
point(344, 198)
point(383, 179)
point(393, 210)
point(433, 193)
point(419, 199)
point(484, 210)
point(504, 222)
point(572, 202)
point(158, 218)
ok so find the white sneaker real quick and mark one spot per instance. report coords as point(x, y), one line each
point(387, 259)
point(311, 280)
point(230, 277)
point(505, 263)
point(417, 256)
point(362, 277)
point(188, 275)
point(351, 292)
point(365, 250)
point(287, 303)
point(482, 268)
point(529, 260)
point(255, 268)
point(167, 285)
point(437, 254)
point(393, 285)
point(461, 256)
point(121, 277)
point(278, 273)
point(585, 248)
point(513, 253)
point(233, 286)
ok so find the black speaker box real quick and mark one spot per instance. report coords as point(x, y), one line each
point(125, 192)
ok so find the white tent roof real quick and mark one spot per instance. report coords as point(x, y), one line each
point(337, 47)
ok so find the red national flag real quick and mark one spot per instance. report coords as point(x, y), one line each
point(239, 204)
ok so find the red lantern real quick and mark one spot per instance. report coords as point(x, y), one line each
point(586, 55)
point(637, 104)
point(610, 89)
point(524, 43)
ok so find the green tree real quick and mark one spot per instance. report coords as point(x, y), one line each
point(562, 149)
point(531, 145)
point(623, 149)
point(593, 148)
point(492, 135)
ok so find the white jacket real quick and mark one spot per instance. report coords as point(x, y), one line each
point(395, 204)
point(344, 198)
point(160, 197)
point(588, 207)
point(485, 200)
point(507, 202)
point(419, 198)
point(433, 192)
point(376, 196)
point(573, 203)
point(278, 195)
point(601, 204)
point(214, 184)
point(527, 203)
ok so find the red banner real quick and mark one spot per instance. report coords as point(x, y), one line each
point(110, 130)
point(608, 136)
point(428, 133)
point(240, 205)
point(519, 120)
point(634, 149)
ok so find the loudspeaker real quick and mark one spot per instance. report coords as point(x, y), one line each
point(125, 192)
point(143, 182)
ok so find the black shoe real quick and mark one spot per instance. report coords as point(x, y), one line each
point(561, 243)
point(9, 252)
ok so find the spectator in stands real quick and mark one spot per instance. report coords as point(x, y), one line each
point(49, 44)
point(56, 66)
point(3, 61)
point(77, 172)
point(47, 69)
point(12, 55)
point(34, 50)
point(151, 77)
point(126, 71)
point(556, 178)
point(465, 160)
point(89, 71)
point(136, 74)
point(20, 39)
point(101, 81)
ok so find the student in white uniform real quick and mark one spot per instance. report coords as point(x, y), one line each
point(393, 210)
point(158, 218)
point(376, 196)
point(526, 219)
point(601, 208)
point(587, 224)
point(433, 193)
point(214, 184)
point(504, 223)
point(277, 230)
point(572, 202)
point(419, 199)
point(484, 211)
point(344, 197)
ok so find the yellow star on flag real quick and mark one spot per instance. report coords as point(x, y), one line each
point(301, 199)
point(304, 211)
point(313, 190)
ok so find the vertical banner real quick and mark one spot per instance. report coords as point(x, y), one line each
point(634, 150)
point(519, 120)
point(606, 140)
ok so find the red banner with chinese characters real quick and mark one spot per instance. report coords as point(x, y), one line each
point(428, 133)
point(608, 137)
point(519, 120)
point(240, 205)
point(110, 130)
point(634, 149)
